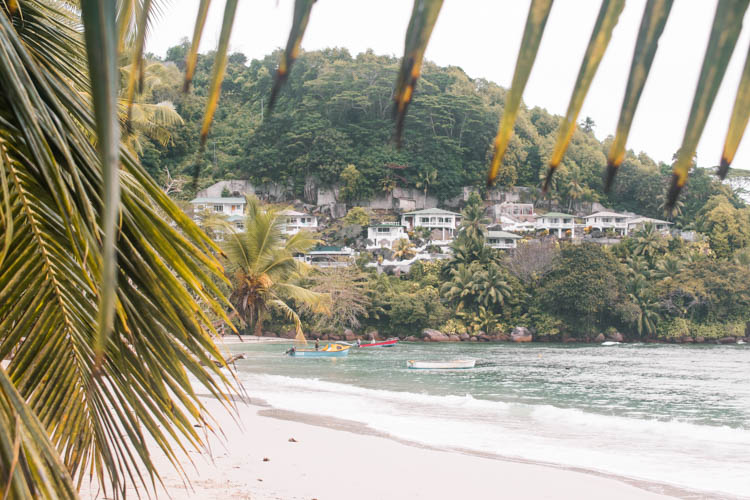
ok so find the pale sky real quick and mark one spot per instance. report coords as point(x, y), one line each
point(483, 36)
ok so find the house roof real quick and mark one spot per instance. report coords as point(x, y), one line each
point(607, 214)
point(553, 214)
point(502, 234)
point(432, 211)
point(320, 249)
point(639, 219)
point(386, 224)
point(294, 212)
point(219, 199)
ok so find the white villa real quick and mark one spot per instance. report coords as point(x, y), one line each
point(385, 234)
point(329, 256)
point(608, 220)
point(557, 223)
point(219, 205)
point(518, 211)
point(297, 221)
point(443, 223)
point(501, 239)
point(636, 223)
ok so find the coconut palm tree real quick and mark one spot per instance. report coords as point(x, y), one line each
point(107, 289)
point(403, 249)
point(648, 242)
point(646, 310)
point(425, 180)
point(262, 268)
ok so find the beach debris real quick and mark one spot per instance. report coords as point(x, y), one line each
point(292, 440)
point(266, 459)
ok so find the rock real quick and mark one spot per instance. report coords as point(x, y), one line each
point(501, 337)
point(411, 338)
point(569, 339)
point(314, 335)
point(349, 335)
point(430, 335)
point(483, 337)
point(615, 337)
point(687, 340)
point(289, 334)
point(473, 339)
point(374, 335)
point(699, 339)
point(454, 338)
point(464, 337)
point(600, 338)
point(727, 340)
point(520, 334)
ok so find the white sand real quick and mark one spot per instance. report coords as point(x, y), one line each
point(336, 464)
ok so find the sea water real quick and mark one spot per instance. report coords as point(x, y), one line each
point(672, 414)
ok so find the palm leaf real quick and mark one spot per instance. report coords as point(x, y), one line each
point(29, 465)
point(101, 41)
point(738, 122)
point(51, 276)
point(220, 63)
point(532, 36)
point(424, 15)
point(652, 24)
point(609, 14)
point(302, 9)
point(192, 57)
point(136, 73)
point(724, 33)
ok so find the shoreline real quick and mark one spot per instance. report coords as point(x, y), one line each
point(337, 459)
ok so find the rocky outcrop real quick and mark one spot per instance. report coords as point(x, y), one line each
point(464, 337)
point(411, 338)
point(430, 335)
point(600, 338)
point(454, 338)
point(521, 334)
point(349, 335)
point(727, 340)
point(615, 337)
point(699, 339)
point(687, 340)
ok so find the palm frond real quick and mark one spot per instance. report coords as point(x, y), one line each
point(652, 25)
point(424, 15)
point(302, 9)
point(609, 14)
point(738, 122)
point(724, 33)
point(532, 37)
point(192, 57)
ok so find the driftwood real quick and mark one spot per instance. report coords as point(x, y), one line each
point(230, 360)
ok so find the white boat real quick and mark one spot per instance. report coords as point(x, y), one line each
point(608, 343)
point(458, 364)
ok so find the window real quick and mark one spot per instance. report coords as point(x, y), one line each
point(239, 225)
point(236, 208)
point(424, 219)
point(218, 208)
point(384, 230)
point(508, 242)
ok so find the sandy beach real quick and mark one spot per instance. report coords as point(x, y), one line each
point(271, 454)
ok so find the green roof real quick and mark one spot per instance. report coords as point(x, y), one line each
point(554, 214)
point(502, 234)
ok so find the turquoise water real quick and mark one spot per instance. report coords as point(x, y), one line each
point(673, 414)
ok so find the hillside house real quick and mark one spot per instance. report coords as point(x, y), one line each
point(636, 223)
point(385, 235)
point(442, 223)
point(294, 222)
point(225, 206)
point(329, 256)
point(557, 223)
point(501, 239)
point(603, 221)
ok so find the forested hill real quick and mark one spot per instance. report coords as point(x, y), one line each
point(335, 110)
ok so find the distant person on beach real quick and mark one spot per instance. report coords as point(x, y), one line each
point(317, 344)
point(358, 343)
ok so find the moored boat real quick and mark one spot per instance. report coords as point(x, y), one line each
point(456, 364)
point(385, 343)
point(329, 351)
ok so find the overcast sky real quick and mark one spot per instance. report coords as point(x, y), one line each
point(483, 36)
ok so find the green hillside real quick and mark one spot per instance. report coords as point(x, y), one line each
point(336, 110)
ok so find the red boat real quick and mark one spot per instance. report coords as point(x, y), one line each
point(385, 343)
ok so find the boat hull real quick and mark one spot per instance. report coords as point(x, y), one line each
point(385, 343)
point(329, 351)
point(459, 364)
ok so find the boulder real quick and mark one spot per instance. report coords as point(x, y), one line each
point(483, 337)
point(473, 339)
point(569, 339)
point(411, 338)
point(687, 340)
point(464, 337)
point(430, 335)
point(454, 338)
point(501, 337)
point(289, 334)
point(600, 338)
point(727, 340)
point(520, 334)
point(349, 335)
point(374, 335)
point(699, 339)
point(615, 337)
